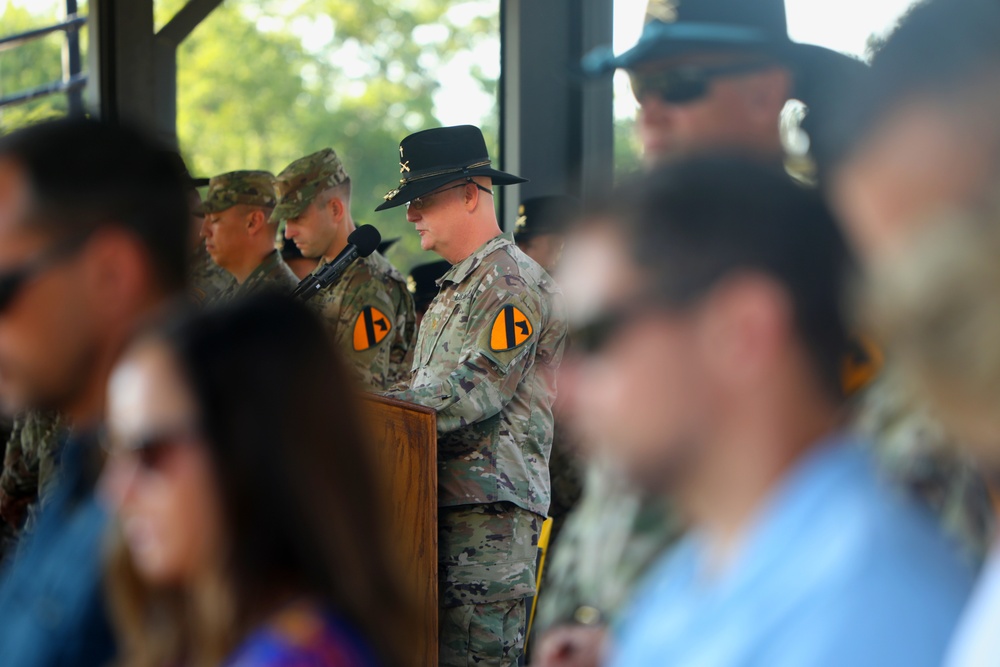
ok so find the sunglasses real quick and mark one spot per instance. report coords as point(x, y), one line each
point(594, 336)
point(151, 450)
point(686, 84)
point(420, 203)
point(12, 281)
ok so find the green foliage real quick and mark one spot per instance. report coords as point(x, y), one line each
point(264, 82)
point(628, 148)
point(32, 64)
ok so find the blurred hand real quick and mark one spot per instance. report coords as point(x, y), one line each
point(571, 646)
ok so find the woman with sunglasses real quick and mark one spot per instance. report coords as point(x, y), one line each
point(249, 530)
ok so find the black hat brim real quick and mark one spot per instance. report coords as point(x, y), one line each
point(409, 191)
point(668, 40)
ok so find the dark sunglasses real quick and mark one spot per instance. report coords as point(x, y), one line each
point(595, 335)
point(688, 83)
point(152, 449)
point(12, 281)
point(420, 203)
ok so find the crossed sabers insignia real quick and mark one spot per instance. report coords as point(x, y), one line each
point(404, 166)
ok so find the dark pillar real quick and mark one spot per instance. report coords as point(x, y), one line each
point(556, 128)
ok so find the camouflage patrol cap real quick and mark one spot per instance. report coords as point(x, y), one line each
point(249, 188)
point(302, 180)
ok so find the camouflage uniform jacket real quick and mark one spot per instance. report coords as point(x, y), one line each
point(29, 469)
point(609, 540)
point(208, 279)
point(486, 360)
point(370, 314)
point(272, 274)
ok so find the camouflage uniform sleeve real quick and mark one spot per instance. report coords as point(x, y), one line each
point(19, 479)
point(371, 362)
point(484, 379)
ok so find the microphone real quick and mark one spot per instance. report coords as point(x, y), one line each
point(362, 242)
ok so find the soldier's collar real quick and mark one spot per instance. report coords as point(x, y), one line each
point(464, 269)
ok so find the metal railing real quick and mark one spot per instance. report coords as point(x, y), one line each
point(73, 81)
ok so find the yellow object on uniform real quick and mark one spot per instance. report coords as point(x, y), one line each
point(543, 549)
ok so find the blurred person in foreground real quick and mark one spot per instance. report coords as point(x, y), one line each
point(708, 75)
point(247, 501)
point(239, 233)
point(368, 310)
point(917, 185)
point(94, 224)
point(485, 360)
point(918, 141)
point(713, 369)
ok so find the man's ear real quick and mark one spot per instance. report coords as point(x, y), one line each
point(255, 222)
point(336, 208)
point(746, 321)
point(769, 91)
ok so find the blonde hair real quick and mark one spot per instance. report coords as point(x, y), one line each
point(159, 626)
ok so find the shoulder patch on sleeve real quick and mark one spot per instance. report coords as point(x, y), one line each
point(511, 329)
point(371, 328)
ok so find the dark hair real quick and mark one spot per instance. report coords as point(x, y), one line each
point(86, 174)
point(694, 223)
point(292, 462)
point(940, 48)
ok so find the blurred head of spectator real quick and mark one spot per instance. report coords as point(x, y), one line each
point(93, 235)
point(702, 313)
point(921, 136)
point(247, 501)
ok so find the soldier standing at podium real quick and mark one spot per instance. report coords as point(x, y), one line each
point(485, 360)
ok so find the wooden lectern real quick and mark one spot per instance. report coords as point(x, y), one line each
point(405, 440)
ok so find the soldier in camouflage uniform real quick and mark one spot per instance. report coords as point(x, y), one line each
point(485, 360)
point(29, 468)
point(239, 233)
point(368, 310)
point(207, 279)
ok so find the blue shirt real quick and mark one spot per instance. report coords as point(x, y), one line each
point(51, 604)
point(837, 570)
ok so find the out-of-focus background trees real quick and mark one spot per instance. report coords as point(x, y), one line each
point(264, 82)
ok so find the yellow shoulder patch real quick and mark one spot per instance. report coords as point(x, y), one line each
point(511, 329)
point(861, 365)
point(370, 329)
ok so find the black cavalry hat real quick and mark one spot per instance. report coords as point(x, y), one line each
point(432, 158)
point(680, 27)
point(550, 214)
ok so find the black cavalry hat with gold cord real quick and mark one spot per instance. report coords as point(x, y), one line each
point(680, 27)
point(436, 157)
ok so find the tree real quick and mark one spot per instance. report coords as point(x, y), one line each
point(30, 65)
point(264, 82)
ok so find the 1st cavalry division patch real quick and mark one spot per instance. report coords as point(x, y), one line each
point(370, 329)
point(511, 328)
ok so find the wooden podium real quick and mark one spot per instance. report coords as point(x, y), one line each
point(405, 440)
